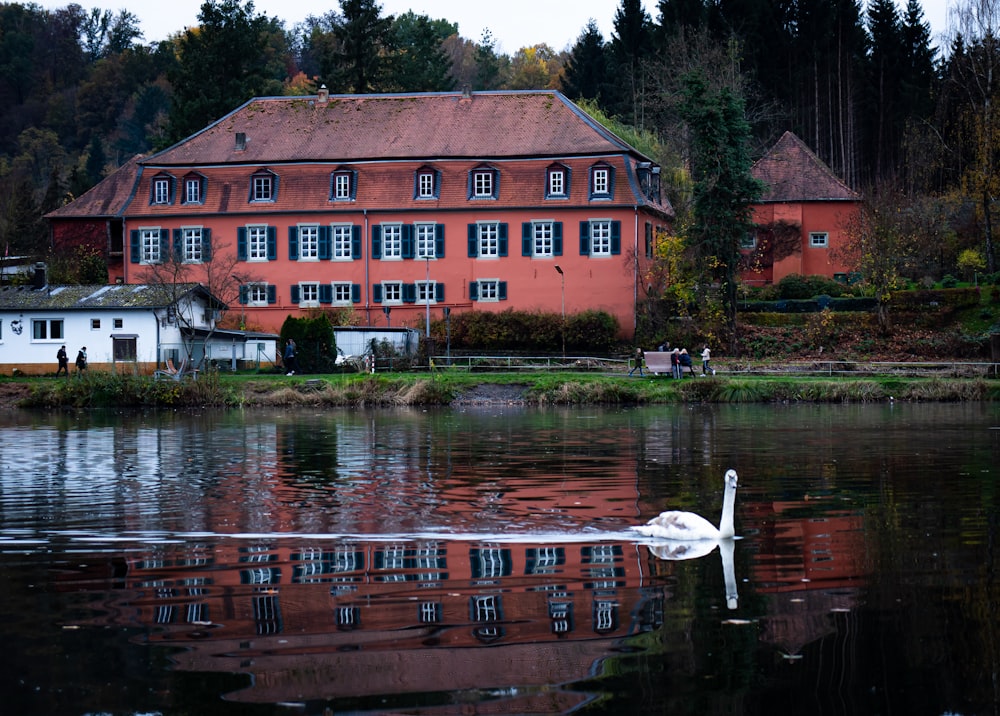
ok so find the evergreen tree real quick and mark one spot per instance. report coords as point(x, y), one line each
point(417, 61)
point(631, 44)
point(489, 67)
point(223, 63)
point(724, 189)
point(363, 35)
point(586, 73)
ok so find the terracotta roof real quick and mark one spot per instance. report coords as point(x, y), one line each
point(352, 128)
point(68, 298)
point(107, 198)
point(793, 172)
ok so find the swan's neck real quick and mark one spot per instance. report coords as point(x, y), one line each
point(726, 529)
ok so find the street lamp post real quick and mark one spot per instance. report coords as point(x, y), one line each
point(562, 278)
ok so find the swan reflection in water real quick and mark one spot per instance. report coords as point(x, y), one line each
point(687, 535)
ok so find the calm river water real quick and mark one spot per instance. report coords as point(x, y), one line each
point(480, 561)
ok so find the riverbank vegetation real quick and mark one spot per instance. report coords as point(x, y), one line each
point(443, 388)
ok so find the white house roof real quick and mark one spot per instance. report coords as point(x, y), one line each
point(91, 297)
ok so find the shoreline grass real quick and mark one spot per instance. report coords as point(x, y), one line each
point(447, 388)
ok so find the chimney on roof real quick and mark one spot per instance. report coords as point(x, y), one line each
point(323, 95)
point(466, 92)
point(38, 280)
point(241, 141)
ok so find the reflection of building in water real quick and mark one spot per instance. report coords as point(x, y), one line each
point(814, 566)
point(336, 619)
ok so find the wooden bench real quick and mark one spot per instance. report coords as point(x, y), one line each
point(657, 362)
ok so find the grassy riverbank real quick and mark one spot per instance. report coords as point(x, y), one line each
point(446, 388)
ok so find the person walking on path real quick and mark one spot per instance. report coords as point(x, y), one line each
point(63, 361)
point(638, 362)
point(291, 362)
point(81, 361)
point(706, 356)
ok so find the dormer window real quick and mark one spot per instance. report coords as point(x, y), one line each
point(263, 186)
point(484, 183)
point(343, 185)
point(557, 182)
point(162, 190)
point(194, 189)
point(426, 184)
point(601, 181)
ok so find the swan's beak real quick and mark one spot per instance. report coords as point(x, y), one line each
point(731, 478)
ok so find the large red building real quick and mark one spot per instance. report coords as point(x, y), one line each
point(408, 202)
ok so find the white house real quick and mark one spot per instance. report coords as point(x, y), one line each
point(137, 328)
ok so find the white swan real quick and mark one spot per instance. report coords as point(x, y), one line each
point(689, 527)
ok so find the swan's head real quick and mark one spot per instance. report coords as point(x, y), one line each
point(731, 478)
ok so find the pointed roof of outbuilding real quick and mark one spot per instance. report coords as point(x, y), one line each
point(792, 172)
point(353, 128)
point(100, 296)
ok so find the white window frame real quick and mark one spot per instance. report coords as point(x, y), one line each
point(161, 190)
point(600, 181)
point(392, 293)
point(600, 237)
point(150, 248)
point(425, 236)
point(341, 241)
point(262, 187)
point(819, 239)
point(425, 185)
point(557, 182)
point(482, 184)
point(309, 294)
point(392, 242)
point(309, 242)
point(47, 325)
point(426, 292)
point(257, 242)
point(748, 242)
point(342, 186)
point(488, 238)
point(192, 248)
point(342, 293)
point(543, 239)
point(256, 294)
point(192, 191)
point(489, 290)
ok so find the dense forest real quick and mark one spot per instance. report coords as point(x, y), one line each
point(902, 121)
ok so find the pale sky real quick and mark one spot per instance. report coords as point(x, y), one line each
point(513, 23)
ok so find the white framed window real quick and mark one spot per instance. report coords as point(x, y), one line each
point(342, 293)
point(262, 187)
point(192, 250)
point(309, 294)
point(161, 190)
point(342, 237)
point(819, 239)
point(47, 329)
point(556, 182)
point(489, 289)
point(426, 291)
point(748, 241)
point(600, 180)
point(600, 238)
point(425, 185)
point(425, 241)
point(489, 240)
point(342, 186)
point(392, 241)
point(192, 190)
point(482, 184)
point(150, 247)
point(257, 243)
point(392, 292)
point(256, 294)
point(542, 239)
point(309, 243)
